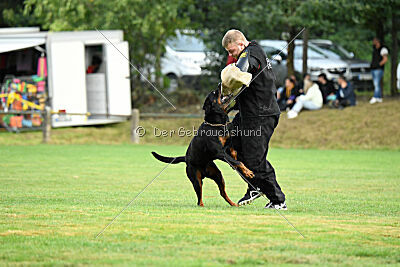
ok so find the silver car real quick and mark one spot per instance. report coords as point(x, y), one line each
point(317, 62)
point(359, 70)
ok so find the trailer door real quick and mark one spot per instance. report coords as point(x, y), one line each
point(118, 82)
point(68, 81)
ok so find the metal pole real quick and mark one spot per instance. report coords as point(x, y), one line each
point(135, 124)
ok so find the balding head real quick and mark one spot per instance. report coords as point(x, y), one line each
point(232, 36)
point(234, 42)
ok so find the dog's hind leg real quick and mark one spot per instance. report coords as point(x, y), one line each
point(196, 177)
point(215, 174)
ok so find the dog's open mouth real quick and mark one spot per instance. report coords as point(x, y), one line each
point(226, 99)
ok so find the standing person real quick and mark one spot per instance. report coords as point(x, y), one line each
point(379, 58)
point(258, 109)
point(96, 62)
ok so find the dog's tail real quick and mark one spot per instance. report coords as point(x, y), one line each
point(172, 160)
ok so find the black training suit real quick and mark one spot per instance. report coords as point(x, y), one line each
point(258, 111)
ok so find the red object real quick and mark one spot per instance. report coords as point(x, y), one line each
point(90, 69)
point(36, 120)
point(16, 121)
point(231, 60)
point(17, 105)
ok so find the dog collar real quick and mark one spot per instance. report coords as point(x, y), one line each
point(216, 124)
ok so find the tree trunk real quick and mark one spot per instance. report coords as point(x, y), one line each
point(290, 61)
point(379, 30)
point(158, 77)
point(394, 53)
point(305, 50)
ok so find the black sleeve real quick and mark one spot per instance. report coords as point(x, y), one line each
point(254, 65)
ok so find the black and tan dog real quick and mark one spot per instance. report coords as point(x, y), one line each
point(210, 143)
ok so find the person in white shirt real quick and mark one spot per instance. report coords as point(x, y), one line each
point(379, 59)
point(312, 100)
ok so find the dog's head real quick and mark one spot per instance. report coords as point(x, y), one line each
point(214, 108)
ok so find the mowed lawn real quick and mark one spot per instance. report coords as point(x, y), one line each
point(55, 199)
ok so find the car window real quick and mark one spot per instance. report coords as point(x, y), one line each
point(334, 51)
point(272, 51)
point(186, 43)
point(311, 53)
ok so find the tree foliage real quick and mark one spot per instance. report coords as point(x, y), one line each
point(148, 24)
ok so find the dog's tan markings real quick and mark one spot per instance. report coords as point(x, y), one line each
point(219, 100)
point(248, 173)
point(233, 153)
point(223, 139)
point(198, 176)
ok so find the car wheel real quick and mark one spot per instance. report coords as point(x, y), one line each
point(173, 83)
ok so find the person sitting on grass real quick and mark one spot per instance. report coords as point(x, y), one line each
point(312, 100)
point(327, 88)
point(345, 96)
point(286, 95)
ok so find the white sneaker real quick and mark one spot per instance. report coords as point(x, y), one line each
point(292, 114)
point(373, 100)
point(280, 206)
point(379, 100)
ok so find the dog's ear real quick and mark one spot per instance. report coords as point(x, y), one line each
point(207, 105)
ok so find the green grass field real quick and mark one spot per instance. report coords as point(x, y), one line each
point(54, 199)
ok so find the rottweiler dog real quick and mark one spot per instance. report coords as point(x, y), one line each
point(211, 143)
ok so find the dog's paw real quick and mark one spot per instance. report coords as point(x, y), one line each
point(249, 173)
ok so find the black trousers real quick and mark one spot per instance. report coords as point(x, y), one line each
point(251, 143)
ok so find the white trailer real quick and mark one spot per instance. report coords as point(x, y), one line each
point(106, 94)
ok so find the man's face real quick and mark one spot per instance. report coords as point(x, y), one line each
point(321, 80)
point(234, 49)
point(376, 43)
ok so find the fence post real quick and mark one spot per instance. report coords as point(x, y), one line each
point(47, 125)
point(135, 124)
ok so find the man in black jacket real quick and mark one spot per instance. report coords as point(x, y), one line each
point(258, 109)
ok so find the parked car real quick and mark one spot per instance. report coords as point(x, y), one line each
point(359, 70)
point(317, 61)
point(184, 58)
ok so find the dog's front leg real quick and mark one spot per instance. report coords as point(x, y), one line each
point(235, 163)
